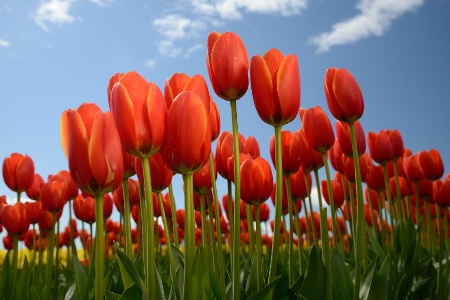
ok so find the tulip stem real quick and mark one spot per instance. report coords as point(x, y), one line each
point(391, 208)
point(15, 266)
point(313, 223)
point(211, 233)
point(189, 241)
point(149, 233)
point(127, 219)
point(360, 218)
point(237, 208)
point(291, 231)
point(218, 229)
point(206, 247)
point(168, 242)
point(299, 235)
point(278, 207)
point(50, 246)
point(99, 247)
point(173, 210)
point(73, 249)
point(258, 249)
point(326, 254)
point(308, 230)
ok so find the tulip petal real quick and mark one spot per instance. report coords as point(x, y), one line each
point(288, 88)
point(157, 115)
point(64, 132)
point(198, 84)
point(262, 89)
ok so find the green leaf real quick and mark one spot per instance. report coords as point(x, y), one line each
point(200, 284)
point(343, 284)
point(266, 292)
point(70, 292)
point(180, 278)
point(131, 293)
point(159, 287)
point(23, 283)
point(111, 296)
point(366, 280)
point(129, 273)
point(178, 257)
point(215, 285)
point(314, 286)
point(5, 277)
point(376, 247)
point(379, 287)
point(252, 278)
point(81, 278)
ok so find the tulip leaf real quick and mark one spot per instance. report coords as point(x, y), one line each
point(343, 284)
point(180, 278)
point(23, 283)
point(5, 277)
point(178, 257)
point(314, 286)
point(159, 287)
point(129, 273)
point(366, 280)
point(81, 278)
point(131, 293)
point(251, 286)
point(200, 283)
point(70, 292)
point(376, 247)
point(266, 292)
point(379, 288)
point(111, 296)
point(215, 285)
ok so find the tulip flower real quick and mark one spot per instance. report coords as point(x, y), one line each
point(318, 129)
point(441, 192)
point(34, 191)
point(290, 145)
point(412, 168)
point(251, 147)
point(214, 118)
point(224, 150)
point(161, 174)
point(180, 82)
point(256, 181)
point(344, 97)
point(202, 179)
point(335, 157)
point(275, 81)
point(18, 173)
point(396, 143)
point(344, 138)
point(380, 147)
point(337, 190)
point(430, 164)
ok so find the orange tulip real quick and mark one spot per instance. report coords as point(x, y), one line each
point(317, 129)
point(343, 135)
point(18, 172)
point(54, 195)
point(344, 97)
point(256, 181)
point(227, 63)
point(224, 150)
point(380, 147)
point(188, 134)
point(161, 174)
point(431, 164)
point(15, 219)
point(92, 145)
point(140, 113)
point(290, 152)
point(180, 82)
point(275, 83)
point(34, 191)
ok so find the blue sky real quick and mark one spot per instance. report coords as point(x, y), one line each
point(57, 54)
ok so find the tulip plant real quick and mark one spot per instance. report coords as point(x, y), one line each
point(389, 242)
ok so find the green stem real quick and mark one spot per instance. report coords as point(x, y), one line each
point(259, 276)
point(211, 234)
point(168, 242)
point(431, 235)
point(15, 266)
point(83, 241)
point(218, 230)
point(360, 219)
point(237, 214)
point(398, 203)
point(173, 210)
point(391, 209)
point(416, 195)
point(99, 247)
point(278, 207)
point(189, 235)
point(439, 228)
point(308, 230)
point(251, 231)
point(447, 252)
point(326, 255)
point(291, 231)
point(313, 223)
point(50, 246)
point(299, 236)
point(149, 233)
point(72, 251)
point(127, 218)
point(204, 233)
point(230, 213)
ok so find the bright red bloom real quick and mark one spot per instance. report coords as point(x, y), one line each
point(318, 129)
point(224, 150)
point(344, 97)
point(8, 242)
point(404, 188)
point(129, 168)
point(345, 141)
point(412, 168)
point(133, 195)
point(230, 163)
point(15, 219)
point(430, 164)
point(34, 211)
point(441, 192)
point(349, 167)
point(372, 196)
point(161, 174)
point(188, 134)
point(275, 83)
point(180, 82)
point(107, 206)
point(180, 217)
point(54, 195)
point(425, 189)
point(202, 178)
point(88, 210)
point(335, 157)
point(72, 189)
point(214, 118)
point(264, 212)
point(18, 172)
point(227, 63)
point(92, 145)
point(290, 152)
point(380, 147)
point(310, 159)
point(112, 81)
point(299, 189)
point(396, 143)
point(251, 147)
point(337, 190)
point(375, 178)
point(140, 113)
point(256, 181)
point(34, 191)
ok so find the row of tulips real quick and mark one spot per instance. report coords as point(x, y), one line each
point(400, 217)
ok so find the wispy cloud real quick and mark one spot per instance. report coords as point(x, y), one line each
point(150, 63)
point(102, 3)
point(4, 43)
point(190, 18)
point(375, 19)
point(54, 12)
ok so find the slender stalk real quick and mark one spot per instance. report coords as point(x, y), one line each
point(99, 247)
point(391, 209)
point(189, 235)
point(360, 222)
point(308, 230)
point(416, 195)
point(291, 231)
point(211, 234)
point(299, 236)
point(149, 233)
point(173, 210)
point(15, 266)
point(447, 252)
point(278, 207)
point(439, 228)
point(259, 275)
point(351, 212)
point(313, 223)
point(218, 230)
point(237, 214)
point(168, 242)
point(398, 202)
point(71, 248)
point(83, 240)
point(49, 270)
point(127, 218)
point(204, 233)
point(431, 234)
point(251, 231)
point(326, 255)
point(230, 213)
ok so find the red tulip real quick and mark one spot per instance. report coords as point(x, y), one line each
point(188, 134)
point(230, 163)
point(133, 195)
point(338, 192)
point(135, 106)
point(372, 196)
point(345, 142)
point(425, 189)
point(430, 164)
point(15, 219)
point(161, 174)
point(344, 97)
point(227, 63)
point(275, 81)
point(92, 145)
point(34, 211)
point(34, 191)
point(441, 192)
point(129, 168)
point(310, 159)
point(107, 206)
point(214, 118)
point(375, 178)
point(290, 152)
point(396, 143)
point(298, 185)
point(380, 147)
point(112, 81)
point(251, 147)
point(317, 129)
point(88, 210)
point(256, 181)
point(412, 168)
point(202, 179)
point(349, 167)
point(72, 189)
point(18, 172)
point(8, 242)
point(54, 195)
point(179, 83)
point(224, 150)
point(264, 212)
point(335, 157)
point(180, 218)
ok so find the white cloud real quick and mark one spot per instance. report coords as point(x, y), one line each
point(54, 12)
point(102, 3)
point(375, 19)
point(150, 63)
point(194, 48)
point(4, 43)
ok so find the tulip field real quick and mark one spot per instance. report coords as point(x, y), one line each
point(382, 234)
